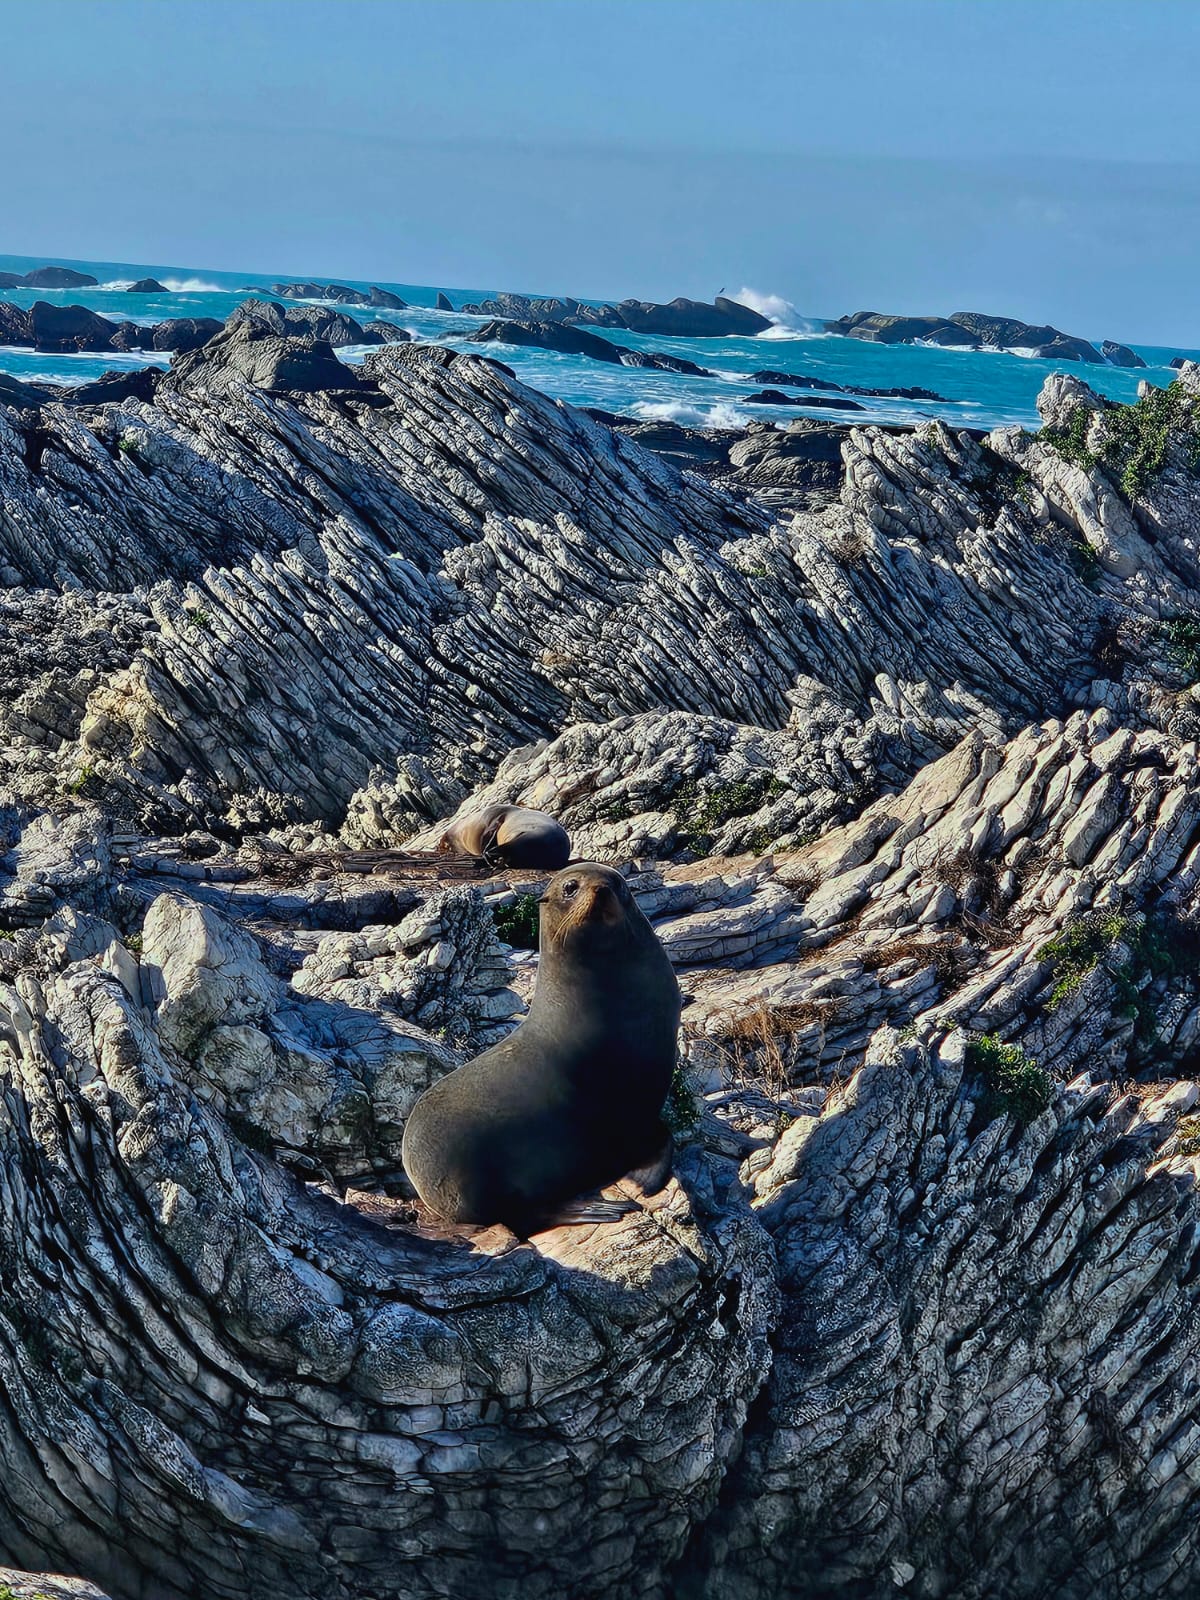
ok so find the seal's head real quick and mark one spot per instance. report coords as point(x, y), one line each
point(586, 906)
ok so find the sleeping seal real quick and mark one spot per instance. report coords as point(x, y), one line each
point(509, 836)
point(571, 1099)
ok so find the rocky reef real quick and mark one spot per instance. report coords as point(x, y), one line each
point(571, 340)
point(907, 782)
point(973, 330)
point(679, 318)
point(48, 278)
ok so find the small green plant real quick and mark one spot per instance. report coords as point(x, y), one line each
point(134, 943)
point(1182, 634)
point(1078, 949)
point(200, 618)
point(517, 924)
point(759, 840)
point(1084, 563)
point(1187, 1142)
point(680, 1111)
point(1159, 946)
point(701, 812)
point(1016, 1085)
point(619, 809)
point(1071, 441)
point(1137, 438)
point(83, 776)
point(7, 1592)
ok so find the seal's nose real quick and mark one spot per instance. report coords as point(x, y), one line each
point(601, 903)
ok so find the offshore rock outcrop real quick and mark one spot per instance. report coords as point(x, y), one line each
point(571, 340)
point(908, 786)
point(48, 278)
point(973, 330)
point(679, 319)
point(341, 293)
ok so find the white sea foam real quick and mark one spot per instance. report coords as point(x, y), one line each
point(780, 330)
point(192, 286)
point(689, 414)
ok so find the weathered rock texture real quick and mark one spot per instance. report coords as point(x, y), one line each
point(909, 788)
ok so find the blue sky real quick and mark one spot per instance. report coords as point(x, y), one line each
point(1034, 157)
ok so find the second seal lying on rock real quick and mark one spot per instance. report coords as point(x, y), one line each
point(572, 1098)
point(509, 836)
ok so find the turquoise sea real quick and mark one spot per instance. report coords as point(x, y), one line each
point(981, 389)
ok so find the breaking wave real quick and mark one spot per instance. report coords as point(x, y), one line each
point(787, 323)
point(192, 286)
point(689, 414)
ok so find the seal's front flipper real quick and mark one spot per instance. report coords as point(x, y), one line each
point(653, 1176)
point(588, 1209)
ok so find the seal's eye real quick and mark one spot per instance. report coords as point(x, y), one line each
point(570, 889)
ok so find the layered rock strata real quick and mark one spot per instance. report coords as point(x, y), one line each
point(908, 787)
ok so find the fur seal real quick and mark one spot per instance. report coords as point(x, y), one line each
point(509, 836)
point(572, 1098)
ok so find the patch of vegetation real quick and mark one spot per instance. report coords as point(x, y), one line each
point(1071, 441)
point(200, 618)
point(134, 943)
point(1134, 452)
point(1159, 946)
point(1112, 642)
point(761, 1045)
point(1182, 634)
point(1084, 563)
point(1016, 1085)
point(619, 809)
point(517, 924)
point(680, 1111)
point(951, 960)
point(1078, 949)
point(699, 812)
point(850, 547)
point(977, 881)
point(83, 776)
point(1187, 1142)
point(760, 840)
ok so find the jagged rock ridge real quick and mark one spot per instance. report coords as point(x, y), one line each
point(913, 783)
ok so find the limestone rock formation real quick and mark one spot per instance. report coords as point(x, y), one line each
point(908, 784)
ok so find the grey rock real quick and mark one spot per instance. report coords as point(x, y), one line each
point(57, 278)
point(1120, 355)
point(243, 353)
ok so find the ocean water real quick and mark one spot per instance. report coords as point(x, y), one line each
point(981, 389)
